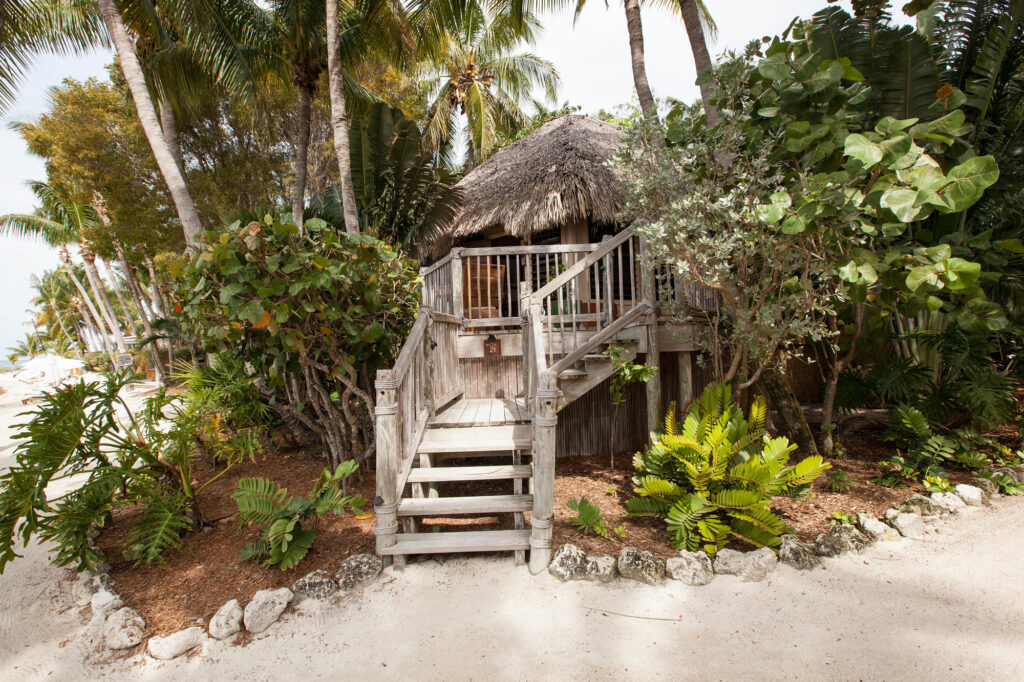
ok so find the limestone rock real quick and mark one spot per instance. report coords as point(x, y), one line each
point(797, 553)
point(104, 602)
point(123, 629)
point(265, 608)
point(920, 505)
point(839, 539)
point(572, 563)
point(692, 568)
point(316, 585)
point(172, 646)
point(908, 525)
point(875, 529)
point(948, 501)
point(227, 621)
point(640, 565)
point(971, 495)
point(987, 486)
point(751, 567)
point(1014, 472)
point(359, 570)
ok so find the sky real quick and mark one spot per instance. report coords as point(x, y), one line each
point(591, 57)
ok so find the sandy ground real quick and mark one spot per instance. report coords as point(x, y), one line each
point(949, 606)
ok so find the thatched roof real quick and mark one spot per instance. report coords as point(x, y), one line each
point(553, 176)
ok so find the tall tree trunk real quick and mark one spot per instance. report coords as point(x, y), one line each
point(150, 124)
point(93, 339)
point(147, 329)
point(60, 321)
point(775, 385)
point(161, 305)
point(339, 119)
point(170, 129)
point(636, 50)
point(304, 112)
point(701, 56)
point(102, 300)
point(115, 284)
point(836, 367)
point(94, 317)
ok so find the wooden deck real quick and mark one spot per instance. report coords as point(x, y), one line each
point(482, 412)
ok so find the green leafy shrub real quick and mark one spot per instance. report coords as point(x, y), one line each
point(588, 517)
point(839, 481)
point(224, 388)
point(839, 518)
point(314, 314)
point(716, 476)
point(144, 459)
point(626, 372)
point(97, 362)
point(285, 541)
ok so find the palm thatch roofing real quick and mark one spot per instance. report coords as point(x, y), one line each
point(554, 176)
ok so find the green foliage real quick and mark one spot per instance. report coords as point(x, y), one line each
point(715, 477)
point(937, 484)
point(315, 314)
point(626, 372)
point(1006, 484)
point(97, 362)
point(225, 390)
point(840, 481)
point(285, 541)
point(839, 518)
point(126, 459)
point(588, 517)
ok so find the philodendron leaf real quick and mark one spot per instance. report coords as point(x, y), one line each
point(863, 149)
point(968, 181)
point(900, 201)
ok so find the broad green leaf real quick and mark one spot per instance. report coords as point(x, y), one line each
point(863, 149)
point(960, 274)
point(781, 199)
point(768, 112)
point(793, 225)
point(251, 311)
point(968, 181)
point(770, 213)
point(890, 125)
point(1011, 245)
point(901, 202)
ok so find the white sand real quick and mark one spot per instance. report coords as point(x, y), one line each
point(949, 606)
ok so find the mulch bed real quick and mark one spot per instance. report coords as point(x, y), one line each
point(206, 572)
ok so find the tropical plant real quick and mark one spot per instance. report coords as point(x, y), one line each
point(472, 74)
point(715, 477)
point(839, 481)
point(588, 517)
point(86, 430)
point(285, 541)
point(626, 372)
point(224, 387)
point(840, 518)
point(314, 313)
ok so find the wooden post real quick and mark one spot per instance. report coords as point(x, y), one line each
point(651, 297)
point(545, 422)
point(458, 307)
point(524, 308)
point(609, 295)
point(685, 380)
point(428, 361)
point(385, 505)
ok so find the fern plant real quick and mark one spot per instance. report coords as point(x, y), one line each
point(588, 517)
point(715, 477)
point(285, 540)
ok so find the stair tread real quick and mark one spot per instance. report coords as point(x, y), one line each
point(476, 504)
point(473, 473)
point(476, 439)
point(460, 541)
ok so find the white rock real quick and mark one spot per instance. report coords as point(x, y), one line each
point(103, 602)
point(692, 568)
point(971, 495)
point(948, 501)
point(875, 529)
point(265, 608)
point(572, 563)
point(640, 565)
point(172, 646)
point(227, 621)
point(908, 525)
point(358, 571)
point(749, 566)
point(123, 629)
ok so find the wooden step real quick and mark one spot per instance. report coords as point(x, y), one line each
point(460, 541)
point(477, 504)
point(476, 439)
point(474, 473)
point(572, 374)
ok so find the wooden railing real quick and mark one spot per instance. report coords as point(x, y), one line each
point(426, 375)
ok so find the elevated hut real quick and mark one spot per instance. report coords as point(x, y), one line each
point(507, 362)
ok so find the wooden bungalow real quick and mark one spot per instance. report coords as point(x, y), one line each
point(504, 369)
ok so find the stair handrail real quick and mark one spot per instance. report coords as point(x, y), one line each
point(637, 314)
point(581, 265)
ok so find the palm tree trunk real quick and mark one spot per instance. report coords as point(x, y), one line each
point(102, 300)
point(150, 124)
point(701, 56)
point(115, 284)
point(636, 51)
point(60, 321)
point(93, 318)
point(160, 303)
point(339, 119)
point(304, 112)
point(134, 290)
point(170, 130)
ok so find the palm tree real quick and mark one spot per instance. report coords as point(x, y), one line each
point(61, 223)
point(56, 300)
point(471, 75)
point(697, 19)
